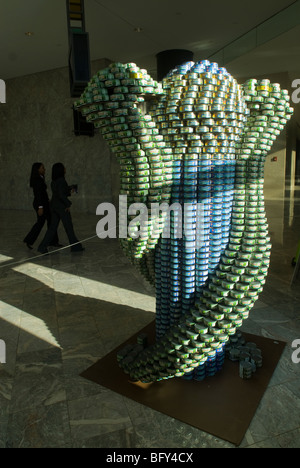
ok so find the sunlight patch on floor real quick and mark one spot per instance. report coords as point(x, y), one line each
point(67, 283)
point(4, 258)
point(29, 323)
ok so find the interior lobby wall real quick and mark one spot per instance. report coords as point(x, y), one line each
point(36, 125)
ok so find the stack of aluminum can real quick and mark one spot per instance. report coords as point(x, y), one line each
point(200, 147)
point(113, 101)
point(247, 354)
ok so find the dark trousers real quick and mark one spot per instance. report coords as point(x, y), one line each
point(38, 226)
point(66, 219)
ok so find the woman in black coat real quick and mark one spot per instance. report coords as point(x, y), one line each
point(60, 210)
point(40, 205)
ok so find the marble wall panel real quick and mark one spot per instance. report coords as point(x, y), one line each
point(36, 124)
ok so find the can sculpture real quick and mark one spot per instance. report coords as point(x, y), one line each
point(196, 142)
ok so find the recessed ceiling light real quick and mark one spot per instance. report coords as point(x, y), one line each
point(29, 33)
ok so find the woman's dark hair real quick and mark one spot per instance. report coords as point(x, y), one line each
point(35, 173)
point(58, 171)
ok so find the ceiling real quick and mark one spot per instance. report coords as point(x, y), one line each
point(202, 27)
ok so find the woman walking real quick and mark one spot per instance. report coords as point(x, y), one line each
point(40, 205)
point(60, 210)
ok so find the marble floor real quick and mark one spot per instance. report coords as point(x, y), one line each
point(61, 313)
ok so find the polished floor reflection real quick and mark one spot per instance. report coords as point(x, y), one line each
point(60, 313)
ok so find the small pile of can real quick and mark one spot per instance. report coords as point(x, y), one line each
point(201, 148)
point(247, 354)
